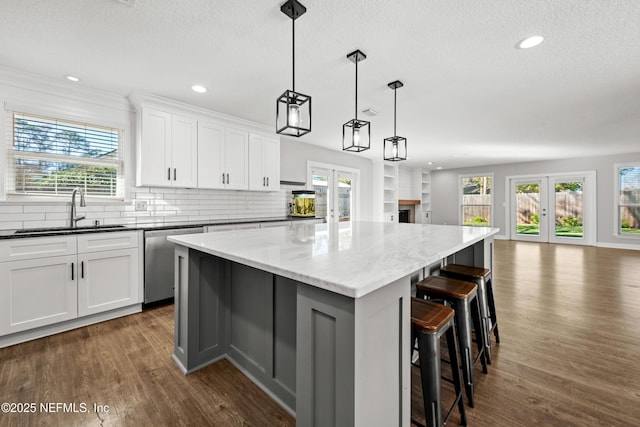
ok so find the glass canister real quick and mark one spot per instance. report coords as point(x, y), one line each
point(303, 203)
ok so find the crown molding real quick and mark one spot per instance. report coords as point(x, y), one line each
point(60, 88)
point(139, 99)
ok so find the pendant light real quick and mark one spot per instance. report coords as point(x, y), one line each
point(293, 109)
point(356, 134)
point(395, 147)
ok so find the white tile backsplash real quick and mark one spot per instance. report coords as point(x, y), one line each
point(164, 205)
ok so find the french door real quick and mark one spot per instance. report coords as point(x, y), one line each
point(335, 193)
point(553, 208)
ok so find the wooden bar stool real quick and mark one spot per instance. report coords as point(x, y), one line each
point(462, 296)
point(481, 277)
point(429, 321)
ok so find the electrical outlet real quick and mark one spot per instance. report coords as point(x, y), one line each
point(141, 205)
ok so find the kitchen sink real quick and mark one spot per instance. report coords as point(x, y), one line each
point(68, 229)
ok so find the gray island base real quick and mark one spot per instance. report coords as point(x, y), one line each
point(316, 315)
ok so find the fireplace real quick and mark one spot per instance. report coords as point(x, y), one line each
point(407, 210)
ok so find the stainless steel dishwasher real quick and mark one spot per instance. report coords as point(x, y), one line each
point(158, 262)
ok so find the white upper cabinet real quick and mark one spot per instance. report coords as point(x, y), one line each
point(222, 157)
point(264, 163)
point(236, 159)
point(167, 149)
point(182, 146)
point(154, 147)
point(184, 152)
point(211, 163)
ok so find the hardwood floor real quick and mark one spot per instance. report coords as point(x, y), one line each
point(569, 321)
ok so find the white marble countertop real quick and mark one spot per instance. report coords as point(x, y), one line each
point(352, 259)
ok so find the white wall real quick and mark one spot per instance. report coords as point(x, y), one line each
point(293, 167)
point(405, 184)
point(34, 94)
point(445, 190)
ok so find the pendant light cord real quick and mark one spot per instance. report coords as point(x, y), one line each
point(293, 49)
point(356, 115)
point(394, 112)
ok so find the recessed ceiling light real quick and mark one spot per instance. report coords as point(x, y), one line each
point(439, 167)
point(529, 42)
point(198, 88)
point(72, 78)
point(429, 163)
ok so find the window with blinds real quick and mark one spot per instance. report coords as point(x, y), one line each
point(49, 156)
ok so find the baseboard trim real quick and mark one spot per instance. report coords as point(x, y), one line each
point(44, 331)
point(635, 247)
point(259, 384)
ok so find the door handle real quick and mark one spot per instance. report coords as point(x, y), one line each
point(228, 179)
point(82, 269)
point(264, 181)
point(223, 181)
point(72, 268)
point(174, 174)
point(169, 174)
point(267, 181)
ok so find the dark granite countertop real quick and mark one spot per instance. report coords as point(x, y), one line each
point(167, 225)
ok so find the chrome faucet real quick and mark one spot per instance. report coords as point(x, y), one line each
point(73, 220)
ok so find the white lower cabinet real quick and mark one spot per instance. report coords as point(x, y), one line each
point(107, 280)
point(46, 280)
point(37, 292)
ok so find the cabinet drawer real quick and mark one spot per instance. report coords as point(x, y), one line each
point(275, 224)
point(37, 247)
point(107, 241)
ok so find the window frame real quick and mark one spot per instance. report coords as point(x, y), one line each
point(617, 226)
point(9, 196)
point(461, 205)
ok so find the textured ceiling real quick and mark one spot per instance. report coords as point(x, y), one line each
point(470, 97)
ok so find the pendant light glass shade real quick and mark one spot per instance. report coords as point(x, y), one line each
point(293, 109)
point(293, 114)
point(356, 134)
point(395, 147)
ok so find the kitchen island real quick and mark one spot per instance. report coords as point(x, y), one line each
point(316, 315)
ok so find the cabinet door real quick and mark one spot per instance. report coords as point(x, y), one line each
point(184, 152)
point(257, 178)
point(237, 159)
point(271, 163)
point(37, 292)
point(155, 148)
point(107, 280)
point(264, 163)
point(210, 155)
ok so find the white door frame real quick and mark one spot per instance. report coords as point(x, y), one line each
point(335, 170)
point(590, 220)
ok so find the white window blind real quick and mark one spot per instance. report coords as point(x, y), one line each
point(49, 156)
